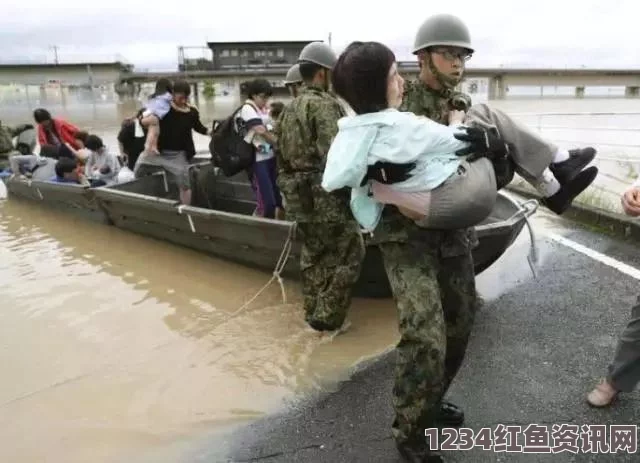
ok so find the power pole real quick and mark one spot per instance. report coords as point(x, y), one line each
point(55, 53)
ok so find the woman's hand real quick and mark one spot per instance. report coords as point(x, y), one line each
point(631, 201)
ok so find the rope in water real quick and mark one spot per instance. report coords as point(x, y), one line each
point(532, 258)
point(282, 262)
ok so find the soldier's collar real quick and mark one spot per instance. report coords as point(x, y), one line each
point(314, 87)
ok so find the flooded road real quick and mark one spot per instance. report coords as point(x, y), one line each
point(115, 344)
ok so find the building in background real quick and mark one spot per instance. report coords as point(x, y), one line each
point(243, 55)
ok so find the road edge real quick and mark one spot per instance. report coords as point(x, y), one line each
point(606, 221)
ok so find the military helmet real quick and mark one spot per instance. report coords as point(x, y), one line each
point(442, 30)
point(319, 53)
point(293, 75)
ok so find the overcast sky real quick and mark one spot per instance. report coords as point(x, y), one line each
point(555, 33)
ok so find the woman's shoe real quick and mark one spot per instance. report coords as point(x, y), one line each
point(603, 394)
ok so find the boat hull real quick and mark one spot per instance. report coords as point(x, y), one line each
point(220, 222)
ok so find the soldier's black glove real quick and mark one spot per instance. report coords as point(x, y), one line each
point(484, 143)
point(388, 173)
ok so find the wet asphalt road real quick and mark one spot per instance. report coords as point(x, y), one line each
point(537, 348)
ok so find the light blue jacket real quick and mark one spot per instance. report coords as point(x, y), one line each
point(392, 136)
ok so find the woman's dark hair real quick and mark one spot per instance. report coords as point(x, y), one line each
point(94, 143)
point(256, 87)
point(163, 86)
point(182, 86)
point(82, 136)
point(361, 75)
point(41, 115)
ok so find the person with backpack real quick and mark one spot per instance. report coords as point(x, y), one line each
point(251, 123)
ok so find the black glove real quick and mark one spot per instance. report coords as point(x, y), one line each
point(388, 173)
point(484, 143)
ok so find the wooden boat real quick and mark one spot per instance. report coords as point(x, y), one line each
point(221, 223)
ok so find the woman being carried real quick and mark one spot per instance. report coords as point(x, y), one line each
point(446, 189)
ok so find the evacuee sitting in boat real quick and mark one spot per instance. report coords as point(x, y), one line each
point(56, 132)
point(446, 189)
point(67, 172)
point(102, 167)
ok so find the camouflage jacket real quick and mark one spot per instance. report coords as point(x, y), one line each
point(305, 131)
point(424, 101)
point(6, 138)
point(7, 133)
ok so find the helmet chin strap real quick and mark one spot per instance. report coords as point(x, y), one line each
point(447, 82)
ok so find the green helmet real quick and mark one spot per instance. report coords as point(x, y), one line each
point(443, 30)
point(293, 75)
point(319, 53)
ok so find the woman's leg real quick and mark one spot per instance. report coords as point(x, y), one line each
point(624, 370)
point(265, 183)
point(273, 174)
point(555, 173)
point(251, 175)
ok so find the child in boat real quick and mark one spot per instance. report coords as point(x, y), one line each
point(158, 106)
point(102, 167)
point(444, 191)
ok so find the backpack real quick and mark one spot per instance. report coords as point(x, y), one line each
point(228, 149)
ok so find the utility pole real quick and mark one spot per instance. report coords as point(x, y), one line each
point(55, 53)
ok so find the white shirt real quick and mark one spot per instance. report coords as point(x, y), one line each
point(247, 118)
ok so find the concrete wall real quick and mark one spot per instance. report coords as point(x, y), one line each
point(66, 74)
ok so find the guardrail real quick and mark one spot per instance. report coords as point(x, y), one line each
point(629, 157)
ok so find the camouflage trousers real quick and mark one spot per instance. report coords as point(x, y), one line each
point(330, 264)
point(436, 302)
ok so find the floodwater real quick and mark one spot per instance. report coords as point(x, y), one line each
point(113, 343)
point(116, 346)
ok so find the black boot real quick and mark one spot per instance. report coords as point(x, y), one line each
point(450, 415)
point(560, 201)
point(566, 171)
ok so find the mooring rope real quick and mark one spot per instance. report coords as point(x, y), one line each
point(282, 262)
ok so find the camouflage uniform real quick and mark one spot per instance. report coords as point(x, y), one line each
point(332, 245)
point(433, 282)
point(6, 142)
